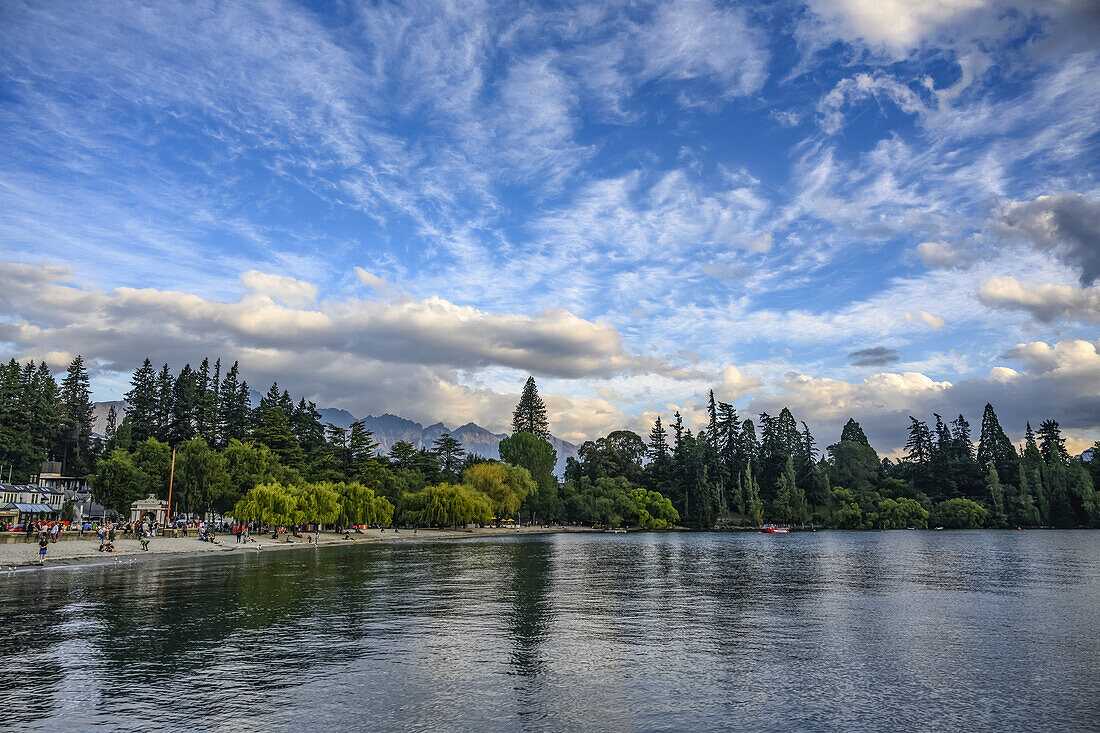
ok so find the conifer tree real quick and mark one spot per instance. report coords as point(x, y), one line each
point(165, 404)
point(234, 408)
point(110, 430)
point(76, 419)
point(449, 451)
point(658, 441)
point(361, 445)
point(530, 413)
point(994, 447)
point(754, 507)
point(853, 433)
point(1052, 446)
point(185, 406)
point(142, 402)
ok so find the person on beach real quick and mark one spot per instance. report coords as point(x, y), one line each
point(43, 545)
point(111, 534)
point(240, 531)
point(145, 542)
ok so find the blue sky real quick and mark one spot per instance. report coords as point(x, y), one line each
point(867, 208)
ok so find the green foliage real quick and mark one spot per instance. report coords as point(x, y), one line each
point(538, 457)
point(614, 502)
point(902, 513)
point(505, 485)
point(446, 505)
point(530, 413)
point(118, 482)
point(360, 505)
point(959, 513)
point(201, 476)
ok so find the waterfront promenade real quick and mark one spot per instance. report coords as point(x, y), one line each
point(75, 551)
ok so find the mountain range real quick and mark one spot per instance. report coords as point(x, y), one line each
point(389, 429)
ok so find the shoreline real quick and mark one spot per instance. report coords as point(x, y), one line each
point(23, 557)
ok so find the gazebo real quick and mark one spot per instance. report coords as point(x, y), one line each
point(152, 508)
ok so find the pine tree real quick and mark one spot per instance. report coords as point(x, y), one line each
point(110, 431)
point(75, 445)
point(185, 406)
point(306, 422)
point(18, 453)
point(449, 451)
point(206, 407)
point(677, 431)
point(790, 500)
point(142, 402)
point(748, 447)
point(753, 504)
point(994, 447)
point(712, 422)
point(361, 445)
point(852, 432)
point(1052, 446)
point(918, 447)
point(274, 431)
point(165, 404)
point(995, 495)
point(43, 405)
point(234, 408)
point(530, 413)
point(658, 441)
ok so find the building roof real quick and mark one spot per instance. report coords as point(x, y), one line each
point(30, 508)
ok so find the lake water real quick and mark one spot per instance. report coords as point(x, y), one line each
point(811, 631)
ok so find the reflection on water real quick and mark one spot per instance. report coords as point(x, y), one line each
point(831, 631)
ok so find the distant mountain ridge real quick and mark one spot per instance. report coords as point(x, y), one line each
point(389, 429)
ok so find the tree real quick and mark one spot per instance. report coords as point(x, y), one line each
point(790, 501)
point(165, 405)
point(995, 494)
point(248, 465)
point(185, 406)
point(360, 505)
point(754, 506)
point(234, 407)
point(449, 451)
point(853, 433)
point(1052, 446)
point(271, 504)
point(902, 513)
point(402, 454)
point(76, 419)
point(959, 513)
point(361, 445)
point(274, 432)
point(446, 505)
point(658, 441)
point(994, 447)
point(505, 485)
point(539, 458)
point(117, 482)
point(530, 413)
point(200, 475)
point(142, 402)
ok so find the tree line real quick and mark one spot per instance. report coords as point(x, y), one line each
point(730, 474)
point(735, 471)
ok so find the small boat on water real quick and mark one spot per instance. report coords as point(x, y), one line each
point(773, 529)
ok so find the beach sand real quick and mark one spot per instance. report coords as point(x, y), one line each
point(74, 552)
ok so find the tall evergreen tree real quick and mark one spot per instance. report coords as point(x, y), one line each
point(235, 407)
point(994, 447)
point(165, 404)
point(76, 419)
point(449, 451)
point(530, 413)
point(853, 433)
point(1052, 446)
point(658, 441)
point(143, 402)
point(361, 445)
point(185, 406)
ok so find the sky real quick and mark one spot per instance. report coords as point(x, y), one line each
point(854, 208)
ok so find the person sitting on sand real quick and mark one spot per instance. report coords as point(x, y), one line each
point(347, 535)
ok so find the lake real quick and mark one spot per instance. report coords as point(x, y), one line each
point(706, 631)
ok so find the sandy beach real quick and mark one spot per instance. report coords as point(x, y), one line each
point(75, 552)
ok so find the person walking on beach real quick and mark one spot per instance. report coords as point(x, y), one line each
point(239, 529)
point(43, 545)
point(111, 535)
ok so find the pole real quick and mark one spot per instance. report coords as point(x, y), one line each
point(171, 478)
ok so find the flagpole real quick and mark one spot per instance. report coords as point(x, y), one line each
point(171, 478)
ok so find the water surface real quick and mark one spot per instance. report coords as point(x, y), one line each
point(815, 631)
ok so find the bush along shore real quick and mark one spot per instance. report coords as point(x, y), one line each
point(277, 463)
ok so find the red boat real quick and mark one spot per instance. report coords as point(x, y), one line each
point(773, 529)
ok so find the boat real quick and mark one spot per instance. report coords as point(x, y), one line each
point(773, 529)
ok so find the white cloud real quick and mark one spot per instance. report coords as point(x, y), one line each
point(283, 288)
point(375, 282)
point(945, 254)
point(1045, 301)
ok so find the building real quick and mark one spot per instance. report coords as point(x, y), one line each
point(51, 476)
point(30, 503)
